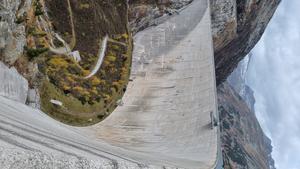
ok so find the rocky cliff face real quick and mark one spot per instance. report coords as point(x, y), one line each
point(12, 31)
point(244, 144)
point(12, 41)
point(237, 26)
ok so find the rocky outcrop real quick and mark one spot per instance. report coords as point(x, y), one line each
point(145, 13)
point(12, 30)
point(244, 144)
point(237, 27)
point(13, 85)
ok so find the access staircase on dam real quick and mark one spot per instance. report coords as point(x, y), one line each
point(164, 121)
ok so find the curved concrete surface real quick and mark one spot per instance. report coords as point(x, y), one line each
point(165, 119)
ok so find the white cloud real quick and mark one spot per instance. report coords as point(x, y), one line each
point(274, 75)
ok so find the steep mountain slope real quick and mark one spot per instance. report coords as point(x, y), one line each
point(79, 29)
point(245, 145)
point(239, 124)
point(55, 44)
point(237, 27)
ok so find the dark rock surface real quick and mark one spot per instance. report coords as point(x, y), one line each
point(237, 27)
point(145, 13)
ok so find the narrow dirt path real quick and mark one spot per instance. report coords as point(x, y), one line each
point(73, 41)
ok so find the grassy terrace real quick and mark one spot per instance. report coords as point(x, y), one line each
point(83, 25)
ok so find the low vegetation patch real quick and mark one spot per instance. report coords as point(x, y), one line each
point(68, 75)
point(38, 8)
point(85, 101)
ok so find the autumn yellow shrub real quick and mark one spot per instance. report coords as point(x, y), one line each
point(58, 62)
point(95, 81)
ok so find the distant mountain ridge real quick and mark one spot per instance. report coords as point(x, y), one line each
point(237, 80)
point(245, 146)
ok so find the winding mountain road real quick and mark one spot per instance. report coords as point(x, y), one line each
point(163, 123)
point(100, 57)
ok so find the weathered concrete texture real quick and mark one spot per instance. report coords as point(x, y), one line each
point(146, 13)
point(164, 121)
point(12, 85)
point(33, 98)
point(166, 111)
point(30, 138)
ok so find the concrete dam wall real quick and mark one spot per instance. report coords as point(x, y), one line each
point(163, 122)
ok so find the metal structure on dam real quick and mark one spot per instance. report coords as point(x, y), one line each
point(164, 121)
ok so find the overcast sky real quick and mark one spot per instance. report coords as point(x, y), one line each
point(274, 75)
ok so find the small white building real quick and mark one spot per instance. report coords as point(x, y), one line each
point(75, 55)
